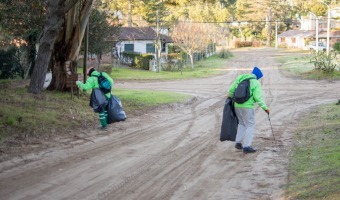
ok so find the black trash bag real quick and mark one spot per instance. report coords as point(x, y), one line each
point(115, 112)
point(229, 122)
point(98, 100)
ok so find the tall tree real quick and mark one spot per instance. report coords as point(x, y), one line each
point(61, 40)
point(100, 32)
point(190, 37)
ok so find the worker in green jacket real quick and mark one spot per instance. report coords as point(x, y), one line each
point(92, 83)
point(245, 112)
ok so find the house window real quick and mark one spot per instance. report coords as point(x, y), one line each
point(150, 48)
point(293, 40)
point(163, 47)
point(283, 40)
point(129, 47)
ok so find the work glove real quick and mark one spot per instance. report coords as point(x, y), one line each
point(78, 82)
point(267, 111)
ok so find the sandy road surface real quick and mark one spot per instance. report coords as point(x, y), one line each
point(175, 153)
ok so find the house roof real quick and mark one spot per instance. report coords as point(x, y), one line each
point(308, 33)
point(141, 33)
point(332, 34)
point(297, 33)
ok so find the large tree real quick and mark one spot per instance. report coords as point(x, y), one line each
point(61, 41)
point(191, 38)
point(21, 27)
point(100, 32)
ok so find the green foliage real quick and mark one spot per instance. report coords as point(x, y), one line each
point(10, 121)
point(10, 64)
point(142, 61)
point(336, 46)
point(131, 57)
point(224, 53)
point(327, 63)
point(100, 31)
point(18, 21)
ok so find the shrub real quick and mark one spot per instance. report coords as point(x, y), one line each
point(336, 46)
point(10, 64)
point(256, 43)
point(325, 62)
point(142, 61)
point(224, 53)
point(239, 44)
point(129, 58)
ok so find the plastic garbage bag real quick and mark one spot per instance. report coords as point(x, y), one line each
point(229, 122)
point(98, 100)
point(115, 112)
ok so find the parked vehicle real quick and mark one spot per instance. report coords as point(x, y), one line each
point(312, 46)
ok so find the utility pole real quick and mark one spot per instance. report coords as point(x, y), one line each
point(276, 42)
point(328, 25)
point(157, 42)
point(316, 32)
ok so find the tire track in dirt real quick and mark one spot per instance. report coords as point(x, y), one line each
point(193, 149)
point(175, 153)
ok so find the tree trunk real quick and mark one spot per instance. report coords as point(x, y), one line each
point(57, 64)
point(68, 46)
point(191, 61)
point(61, 42)
point(55, 19)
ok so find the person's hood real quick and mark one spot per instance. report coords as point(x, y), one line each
point(257, 72)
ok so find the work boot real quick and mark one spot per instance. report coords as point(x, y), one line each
point(248, 150)
point(238, 146)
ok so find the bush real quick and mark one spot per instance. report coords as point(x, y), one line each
point(224, 53)
point(336, 46)
point(129, 58)
point(256, 43)
point(10, 64)
point(324, 62)
point(142, 61)
point(239, 44)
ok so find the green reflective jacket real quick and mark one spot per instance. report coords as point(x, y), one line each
point(92, 82)
point(255, 92)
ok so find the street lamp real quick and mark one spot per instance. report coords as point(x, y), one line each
point(328, 25)
point(316, 32)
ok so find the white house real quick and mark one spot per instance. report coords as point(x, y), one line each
point(141, 40)
point(307, 32)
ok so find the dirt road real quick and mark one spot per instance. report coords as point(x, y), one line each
point(175, 152)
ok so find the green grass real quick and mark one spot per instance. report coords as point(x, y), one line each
point(301, 67)
point(141, 99)
point(24, 115)
point(208, 67)
point(314, 171)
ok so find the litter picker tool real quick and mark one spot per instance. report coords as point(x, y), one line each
point(271, 128)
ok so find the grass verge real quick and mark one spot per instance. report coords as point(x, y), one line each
point(314, 171)
point(25, 117)
point(299, 65)
point(208, 67)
